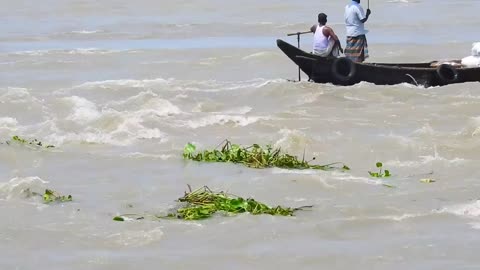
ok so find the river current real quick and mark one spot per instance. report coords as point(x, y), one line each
point(120, 87)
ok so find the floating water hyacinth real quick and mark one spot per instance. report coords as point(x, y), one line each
point(255, 156)
point(34, 142)
point(50, 196)
point(380, 173)
point(427, 180)
point(203, 203)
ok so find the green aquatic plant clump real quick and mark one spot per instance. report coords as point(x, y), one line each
point(50, 196)
point(255, 156)
point(204, 203)
point(34, 142)
point(380, 173)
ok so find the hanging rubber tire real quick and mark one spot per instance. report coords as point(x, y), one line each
point(343, 70)
point(447, 74)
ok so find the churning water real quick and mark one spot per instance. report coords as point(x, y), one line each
point(120, 87)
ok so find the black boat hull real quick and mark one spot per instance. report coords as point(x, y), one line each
point(341, 71)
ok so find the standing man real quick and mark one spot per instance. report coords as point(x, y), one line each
point(325, 41)
point(355, 18)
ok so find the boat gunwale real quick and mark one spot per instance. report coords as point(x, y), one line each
point(393, 65)
point(399, 66)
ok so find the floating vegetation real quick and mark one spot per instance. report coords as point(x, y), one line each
point(380, 174)
point(427, 180)
point(119, 218)
point(34, 142)
point(203, 203)
point(50, 196)
point(255, 156)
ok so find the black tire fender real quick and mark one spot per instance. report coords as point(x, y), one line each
point(447, 73)
point(343, 69)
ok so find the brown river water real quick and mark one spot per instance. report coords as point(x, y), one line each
point(119, 87)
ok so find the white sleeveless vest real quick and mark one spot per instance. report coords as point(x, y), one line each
point(320, 41)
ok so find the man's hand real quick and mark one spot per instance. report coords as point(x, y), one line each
point(339, 46)
point(369, 12)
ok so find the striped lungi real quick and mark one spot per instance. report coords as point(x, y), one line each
point(357, 48)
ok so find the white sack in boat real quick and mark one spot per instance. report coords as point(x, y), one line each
point(471, 61)
point(476, 49)
point(474, 60)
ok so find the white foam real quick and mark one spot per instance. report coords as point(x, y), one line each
point(31, 53)
point(86, 32)
point(108, 127)
point(8, 122)
point(294, 199)
point(259, 23)
point(354, 98)
point(309, 98)
point(90, 51)
point(406, 163)
point(149, 104)
point(143, 155)
point(258, 55)
point(83, 110)
point(77, 51)
point(161, 107)
point(179, 85)
point(131, 127)
point(124, 135)
point(436, 157)
point(293, 141)
point(239, 110)
point(15, 95)
point(109, 84)
point(402, 140)
point(335, 174)
point(476, 123)
point(16, 186)
point(289, 171)
point(136, 238)
point(425, 130)
point(356, 179)
point(401, 217)
point(136, 100)
point(117, 123)
point(470, 210)
point(222, 119)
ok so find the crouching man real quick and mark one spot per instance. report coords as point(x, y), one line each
point(325, 41)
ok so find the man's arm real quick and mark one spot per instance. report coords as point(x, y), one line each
point(313, 28)
point(366, 17)
point(328, 32)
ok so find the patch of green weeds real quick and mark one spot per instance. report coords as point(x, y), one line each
point(204, 203)
point(50, 196)
point(255, 156)
point(380, 173)
point(34, 142)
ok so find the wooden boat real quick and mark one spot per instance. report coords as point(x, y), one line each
point(342, 71)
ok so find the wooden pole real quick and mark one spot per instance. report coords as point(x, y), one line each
point(298, 46)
